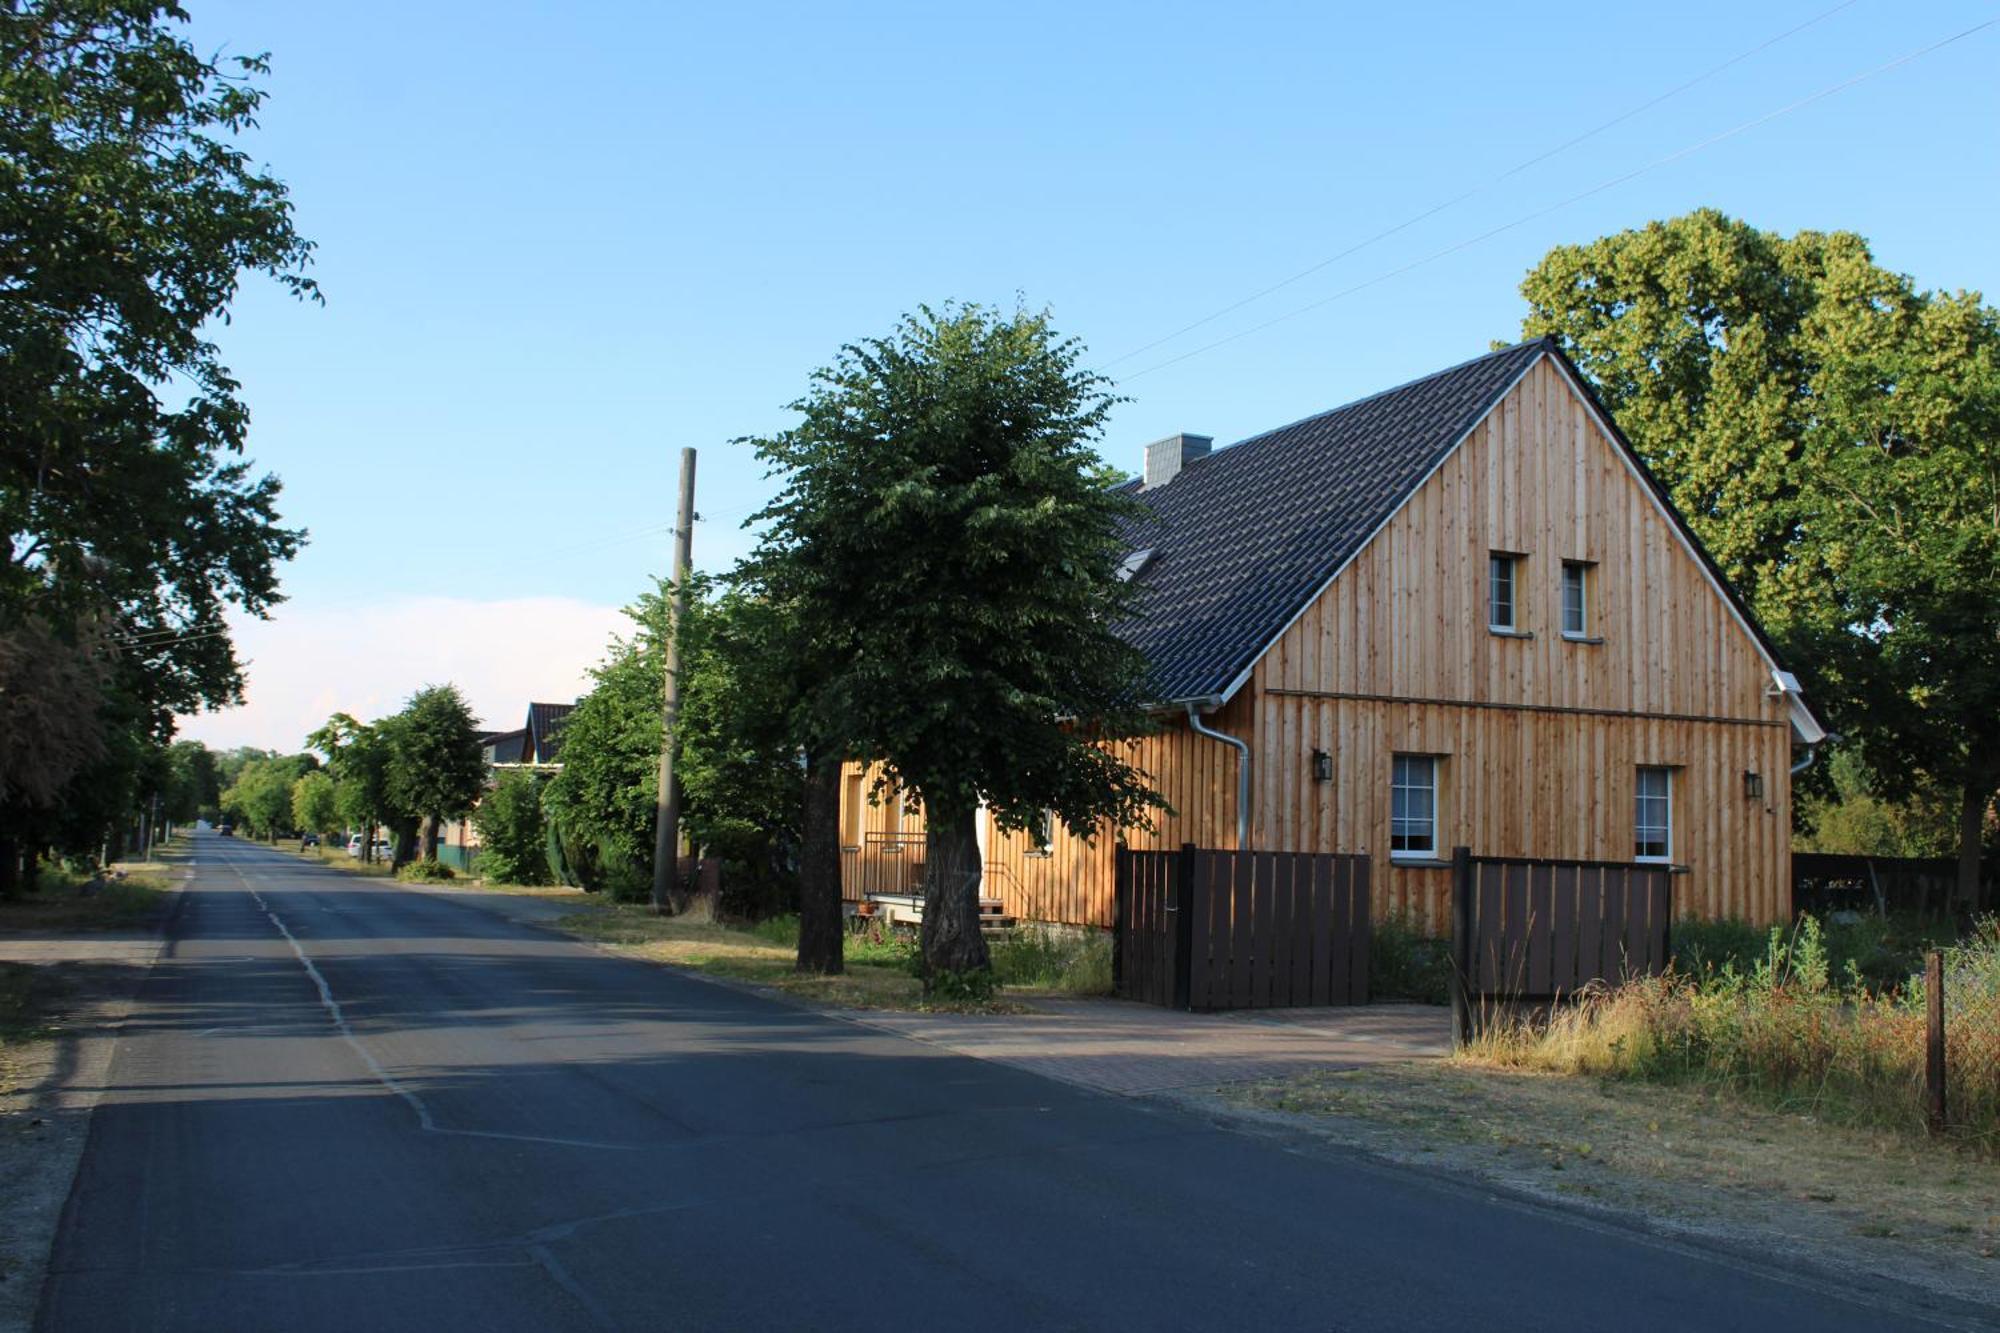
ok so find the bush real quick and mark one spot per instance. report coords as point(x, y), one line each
point(425, 872)
point(513, 836)
point(1075, 962)
point(1406, 963)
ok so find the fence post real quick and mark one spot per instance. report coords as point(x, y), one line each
point(1121, 878)
point(1461, 945)
point(1934, 1105)
point(1188, 868)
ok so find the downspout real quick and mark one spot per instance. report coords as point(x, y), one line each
point(1242, 749)
point(1812, 753)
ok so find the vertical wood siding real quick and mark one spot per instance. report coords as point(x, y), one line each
point(1540, 737)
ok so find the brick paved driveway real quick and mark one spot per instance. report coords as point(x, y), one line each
point(1130, 1049)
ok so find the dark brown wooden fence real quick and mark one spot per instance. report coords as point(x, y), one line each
point(1534, 930)
point(1198, 929)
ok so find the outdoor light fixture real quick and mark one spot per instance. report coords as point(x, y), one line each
point(1753, 785)
point(1322, 766)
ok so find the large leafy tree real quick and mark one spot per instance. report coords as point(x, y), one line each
point(315, 804)
point(435, 769)
point(941, 497)
point(261, 796)
point(128, 215)
point(740, 778)
point(1833, 435)
point(357, 755)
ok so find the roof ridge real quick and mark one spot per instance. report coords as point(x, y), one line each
point(1546, 341)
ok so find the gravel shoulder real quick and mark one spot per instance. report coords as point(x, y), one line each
point(1679, 1162)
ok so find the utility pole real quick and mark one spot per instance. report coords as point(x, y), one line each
point(667, 811)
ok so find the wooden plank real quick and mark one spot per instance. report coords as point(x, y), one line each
point(1263, 872)
point(1563, 979)
point(1325, 922)
point(1540, 884)
point(1239, 931)
point(1636, 884)
point(1589, 925)
point(1197, 933)
point(1515, 977)
point(1361, 927)
point(1489, 968)
point(1299, 944)
point(1279, 958)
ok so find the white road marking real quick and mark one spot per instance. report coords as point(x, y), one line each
point(416, 1103)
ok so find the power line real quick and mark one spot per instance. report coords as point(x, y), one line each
point(1482, 187)
point(1600, 188)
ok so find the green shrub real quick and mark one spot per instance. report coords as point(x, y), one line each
point(513, 836)
point(1043, 958)
point(874, 942)
point(426, 872)
point(1407, 963)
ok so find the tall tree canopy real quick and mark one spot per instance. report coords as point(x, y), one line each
point(435, 770)
point(941, 497)
point(1833, 435)
point(128, 214)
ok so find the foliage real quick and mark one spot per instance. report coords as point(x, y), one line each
point(426, 870)
point(947, 540)
point(1073, 962)
point(1790, 1029)
point(1406, 962)
point(315, 804)
point(513, 838)
point(260, 798)
point(739, 776)
point(1833, 436)
point(128, 214)
point(357, 755)
point(1849, 816)
point(435, 770)
point(51, 690)
point(193, 786)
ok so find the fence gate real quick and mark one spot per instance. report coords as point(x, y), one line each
point(1525, 929)
point(1199, 929)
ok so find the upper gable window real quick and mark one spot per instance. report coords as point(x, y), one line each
point(1503, 592)
point(1576, 599)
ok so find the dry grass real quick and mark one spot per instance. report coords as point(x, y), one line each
point(1691, 1153)
point(336, 857)
point(1788, 1034)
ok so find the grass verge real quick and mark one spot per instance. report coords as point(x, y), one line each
point(1678, 1152)
point(880, 960)
point(1789, 1033)
point(65, 901)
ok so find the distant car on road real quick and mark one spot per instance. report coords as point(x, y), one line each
point(226, 829)
point(308, 840)
point(354, 846)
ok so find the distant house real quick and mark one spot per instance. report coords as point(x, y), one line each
point(536, 744)
point(1458, 612)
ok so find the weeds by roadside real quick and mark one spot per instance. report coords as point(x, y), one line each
point(1789, 1030)
point(132, 894)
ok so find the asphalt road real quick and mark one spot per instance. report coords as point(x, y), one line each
point(344, 1106)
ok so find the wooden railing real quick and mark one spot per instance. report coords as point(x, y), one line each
point(892, 863)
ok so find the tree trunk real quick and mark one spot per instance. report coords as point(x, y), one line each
point(406, 845)
point(1971, 827)
point(821, 929)
point(10, 869)
point(431, 831)
point(952, 870)
point(368, 843)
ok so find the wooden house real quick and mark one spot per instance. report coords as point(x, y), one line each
point(1458, 612)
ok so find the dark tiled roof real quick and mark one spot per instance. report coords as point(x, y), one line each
point(505, 747)
point(1243, 538)
point(545, 731)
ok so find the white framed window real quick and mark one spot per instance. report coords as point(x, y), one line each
point(1576, 599)
point(1653, 815)
point(1503, 585)
point(1413, 807)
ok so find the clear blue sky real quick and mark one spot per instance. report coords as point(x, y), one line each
point(560, 241)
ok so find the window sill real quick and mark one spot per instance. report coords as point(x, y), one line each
point(1582, 638)
point(1039, 856)
point(1418, 861)
point(1499, 633)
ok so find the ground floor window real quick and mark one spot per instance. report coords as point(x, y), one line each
point(1413, 806)
point(1653, 815)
